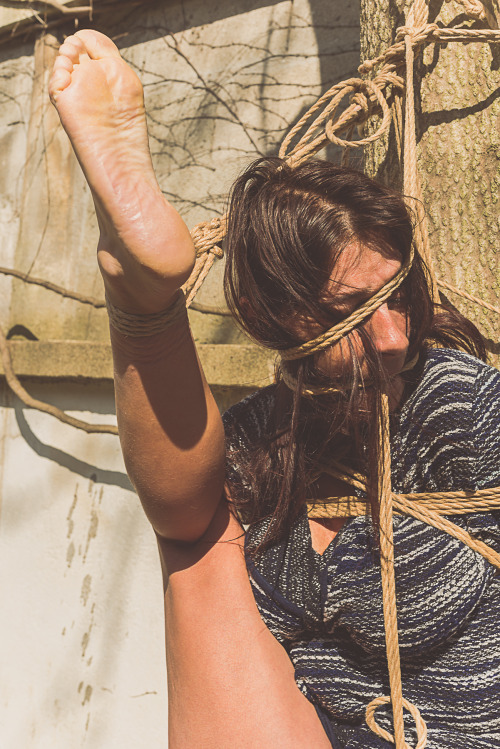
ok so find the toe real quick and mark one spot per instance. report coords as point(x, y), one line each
point(70, 50)
point(97, 45)
point(63, 63)
point(79, 46)
point(60, 80)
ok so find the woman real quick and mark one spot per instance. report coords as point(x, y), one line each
point(305, 247)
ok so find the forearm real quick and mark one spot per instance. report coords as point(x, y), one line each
point(170, 430)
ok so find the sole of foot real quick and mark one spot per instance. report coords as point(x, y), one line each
point(145, 250)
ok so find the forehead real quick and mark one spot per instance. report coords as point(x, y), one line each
point(362, 270)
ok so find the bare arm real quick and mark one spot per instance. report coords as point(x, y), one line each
point(230, 682)
point(170, 428)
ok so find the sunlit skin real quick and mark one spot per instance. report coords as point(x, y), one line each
point(168, 418)
point(100, 101)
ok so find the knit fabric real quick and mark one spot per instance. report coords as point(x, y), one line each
point(326, 609)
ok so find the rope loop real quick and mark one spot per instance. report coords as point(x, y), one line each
point(361, 90)
point(383, 734)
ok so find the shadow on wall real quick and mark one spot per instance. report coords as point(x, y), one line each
point(76, 466)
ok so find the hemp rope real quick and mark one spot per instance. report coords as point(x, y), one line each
point(415, 29)
point(366, 94)
point(338, 331)
point(387, 573)
point(138, 326)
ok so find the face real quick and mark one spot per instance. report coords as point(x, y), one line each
point(358, 274)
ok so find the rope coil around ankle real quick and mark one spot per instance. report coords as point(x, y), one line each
point(143, 325)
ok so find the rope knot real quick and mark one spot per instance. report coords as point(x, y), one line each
point(478, 11)
point(361, 101)
point(215, 223)
point(365, 94)
point(418, 35)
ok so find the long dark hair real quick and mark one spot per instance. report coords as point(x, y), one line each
point(287, 228)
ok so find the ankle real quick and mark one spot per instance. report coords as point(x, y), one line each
point(141, 325)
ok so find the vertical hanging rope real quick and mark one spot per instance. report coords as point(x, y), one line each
point(387, 571)
point(411, 178)
point(417, 18)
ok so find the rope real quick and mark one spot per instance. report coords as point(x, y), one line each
point(311, 390)
point(338, 331)
point(411, 184)
point(408, 40)
point(139, 326)
point(470, 297)
point(441, 503)
point(387, 573)
point(368, 97)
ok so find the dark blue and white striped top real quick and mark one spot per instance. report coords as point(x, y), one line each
point(327, 609)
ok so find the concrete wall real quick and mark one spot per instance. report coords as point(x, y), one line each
point(81, 620)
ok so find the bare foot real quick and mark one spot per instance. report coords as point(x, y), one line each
point(145, 250)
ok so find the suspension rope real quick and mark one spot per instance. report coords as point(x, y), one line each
point(409, 37)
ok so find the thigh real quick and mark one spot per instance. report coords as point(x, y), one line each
point(230, 682)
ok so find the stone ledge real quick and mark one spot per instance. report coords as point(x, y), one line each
point(225, 365)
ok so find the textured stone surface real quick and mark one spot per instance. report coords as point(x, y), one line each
point(223, 82)
point(225, 365)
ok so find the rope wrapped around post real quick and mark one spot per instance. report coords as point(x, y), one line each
point(317, 127)
point(369, 97)
point(411, 36)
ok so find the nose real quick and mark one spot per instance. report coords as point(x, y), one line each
point(387, 328)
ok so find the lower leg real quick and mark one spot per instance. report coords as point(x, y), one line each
point(231, 684)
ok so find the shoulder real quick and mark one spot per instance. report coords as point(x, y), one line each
point(441, 437)
point(247, 421)
point(452, 376)
point(441, 362)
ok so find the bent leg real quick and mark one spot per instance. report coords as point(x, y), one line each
point(231, 684)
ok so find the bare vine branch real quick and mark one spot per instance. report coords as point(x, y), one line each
point(97, 303)
point(25, 397)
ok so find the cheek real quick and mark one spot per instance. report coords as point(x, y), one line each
point(403, 322)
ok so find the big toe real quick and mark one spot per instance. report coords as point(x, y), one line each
point(97, 45)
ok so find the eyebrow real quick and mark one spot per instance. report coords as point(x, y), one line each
point(354, 296)
point(357, 296)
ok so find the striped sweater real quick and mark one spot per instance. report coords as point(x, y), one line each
point(326, 609)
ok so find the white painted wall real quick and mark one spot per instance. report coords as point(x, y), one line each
point(81, 617)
